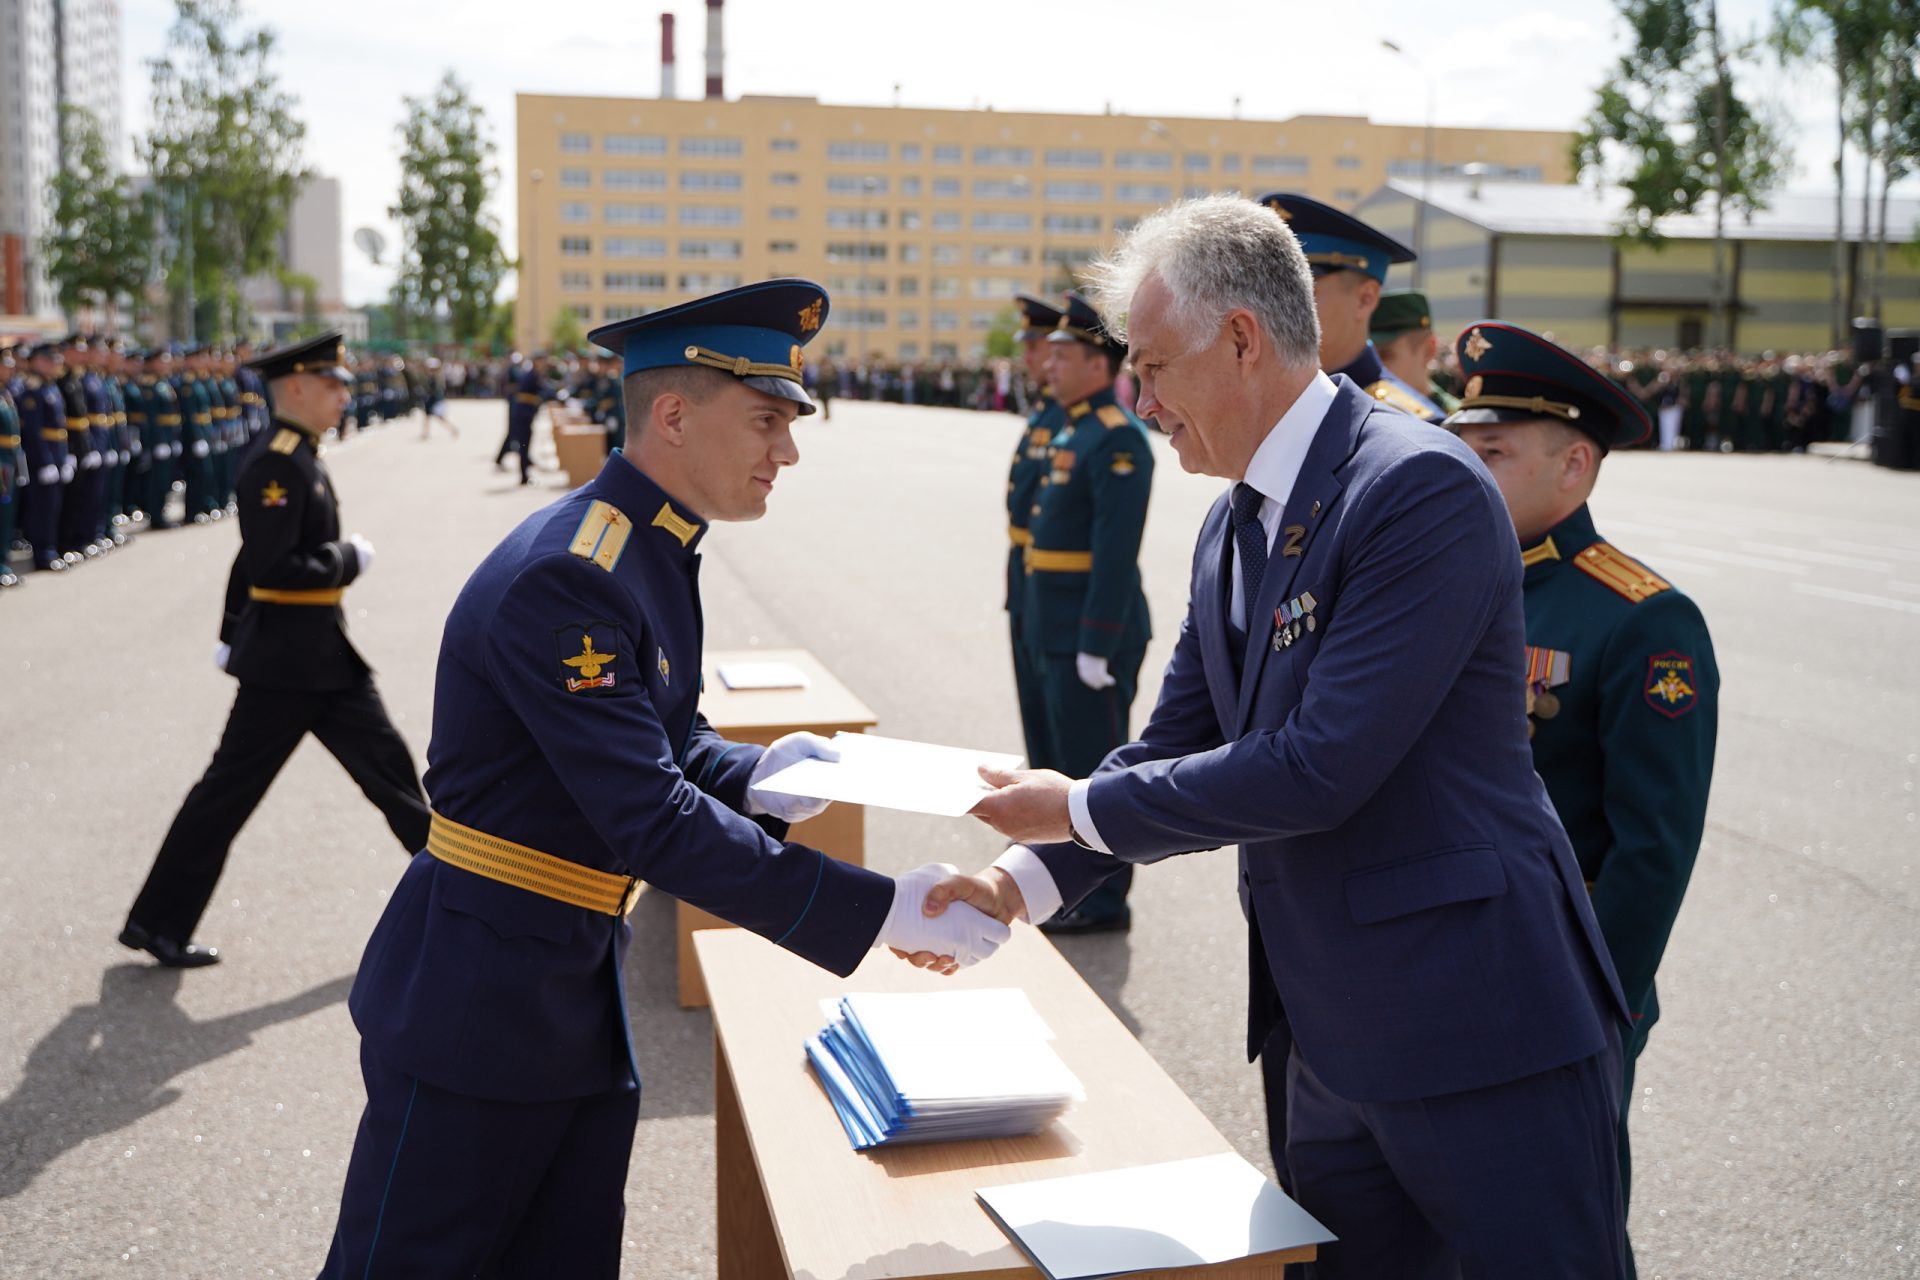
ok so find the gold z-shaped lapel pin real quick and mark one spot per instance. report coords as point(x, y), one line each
point(1295, 533)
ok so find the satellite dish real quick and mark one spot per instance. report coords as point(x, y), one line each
point(371, 243)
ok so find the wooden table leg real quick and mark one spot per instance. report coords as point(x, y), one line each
point(749, 1248)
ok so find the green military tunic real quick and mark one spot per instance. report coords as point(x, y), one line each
point(1023, 487)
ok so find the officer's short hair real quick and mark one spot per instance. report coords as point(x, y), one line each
point(694, 382)
point(1216, 254)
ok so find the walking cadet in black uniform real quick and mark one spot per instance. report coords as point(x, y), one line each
point(164, 424)
point(284, 639)
point(1622, 687)
point(1086, 619)
point(1349, 260)
point(569, 763)
point(87, 446)
point(197, 433)
point(1044, 419)
point(50, 466)
point(12, 465)
point(533, 388)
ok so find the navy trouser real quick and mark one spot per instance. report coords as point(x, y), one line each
point(1033, 702)
point(1514, 1180)
point(441, 1184)
point(1083, 727)
point(40, 519)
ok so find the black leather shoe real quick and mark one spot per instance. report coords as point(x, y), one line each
point(171, 954)
point(1077, 921)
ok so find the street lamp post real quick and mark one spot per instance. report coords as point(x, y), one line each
point(533, 256)
point(1426, 168)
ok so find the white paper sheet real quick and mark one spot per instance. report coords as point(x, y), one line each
point(761, 675)
point(891, 773)
point(1181, 1213)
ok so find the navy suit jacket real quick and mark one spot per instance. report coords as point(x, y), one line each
point(1424, 926)
point(493, 991)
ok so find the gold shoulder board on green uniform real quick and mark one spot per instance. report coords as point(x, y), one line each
point(1621, 572)
point(286, 440)
point(1112, 415)
point(1386, 393)
point(602, 535)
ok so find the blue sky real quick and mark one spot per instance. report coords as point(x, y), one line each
point(351, 61)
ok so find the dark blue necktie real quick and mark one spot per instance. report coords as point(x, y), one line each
point(1250, 538)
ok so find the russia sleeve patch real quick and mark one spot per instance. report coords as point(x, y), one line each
point(1670, 688)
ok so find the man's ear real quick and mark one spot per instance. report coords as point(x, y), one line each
point(667, 418)
point(1248, 341)
point(1367, 297)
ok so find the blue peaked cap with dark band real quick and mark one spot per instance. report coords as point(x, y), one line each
point(1335, 241)
point(754, 332)
point(1516, 376)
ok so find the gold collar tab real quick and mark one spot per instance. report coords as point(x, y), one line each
point(672, 521)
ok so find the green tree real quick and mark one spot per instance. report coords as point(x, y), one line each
point(1001, 339)
point(451, 260)
point(224, 151)
point(566, 333)
point(99, 243)
point(498, 337)
point(1670, 128)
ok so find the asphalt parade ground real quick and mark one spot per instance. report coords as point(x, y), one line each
point(198, 1124)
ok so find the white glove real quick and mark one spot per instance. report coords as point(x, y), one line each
point(49, 474)
point(362, 549)
point(113, 457)
point(1093, 671)
point(791, 749)
point(68, 465)
point(962, 931)
point(221, 652)
point(201, 448)
point(90, 461)
point(134, 449)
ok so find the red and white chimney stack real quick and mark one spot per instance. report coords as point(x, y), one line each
point(716, 52)
point(667, 84)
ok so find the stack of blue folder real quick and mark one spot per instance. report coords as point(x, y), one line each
point(938, 1066)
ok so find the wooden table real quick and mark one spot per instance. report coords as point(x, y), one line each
point(580, 447)
point(796, 1200)
point(825, 707)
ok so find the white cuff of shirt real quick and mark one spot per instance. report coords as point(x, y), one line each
point(1042, 895)
point(1082, 815)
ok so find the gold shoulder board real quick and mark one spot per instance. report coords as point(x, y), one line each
point(1388, 394)
point(1112, 415)
point(602, 535)
point(286, 440)
point(1621, 572)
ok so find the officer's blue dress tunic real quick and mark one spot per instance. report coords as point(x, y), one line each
point(1380, 382)
point(480, 1003)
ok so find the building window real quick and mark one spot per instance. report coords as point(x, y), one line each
point(710, 215)
point(574, 179)
point(857, 286)
point(575, 282)
point(1005, 157)
point(946, 188)
point(945, 322)
point(1075, 193)
point(1123, 225)
point(785, 179)
point(1229, 164)
point(943, 351)
point(860, 318)
point(1347, 195)
point(1142, 192)
point(576, 211)
point(782, 246)
point(996, 286)
point(708, 281)
point(783, 213)
point(858, 152)
point(857, 219)
point(709, 180)
point(945, 287)
point(581, 309)
point(945, 254)
point(855, 251)
point(576, 246)
point(909, 253)
point(1073, 224)
point(909, 153)
point(717, 250)
point(909, 350)
point(634, 179)
point(1198, 163)
point(626, 213)
point(1279, 166)
point(634, 281)
point(622, 311)
point(1069, 256)
point(710, 148)
point(785, 144)
point(633, 144)
point(1143, 161)
point(910, 188)
point(576, 144)
point(909, 285)
point(1346, 162)
point(1001, 188)
point(635, 247)
point(983, 319)
point(946, 220)
point(985, 221)
point(946, 155)
point(1073, 158)
point(1002, 255)
point(853, 184)
point(908, 319)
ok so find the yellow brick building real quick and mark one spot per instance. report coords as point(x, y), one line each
point(921, 223)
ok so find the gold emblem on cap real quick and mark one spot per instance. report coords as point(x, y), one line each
point(810, 316)
point(1473, 386)
point(796, 358)
point(1477, 345)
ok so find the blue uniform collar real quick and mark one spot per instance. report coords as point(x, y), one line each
point(1563, 542)
point(665, 520)
point(1365, 369)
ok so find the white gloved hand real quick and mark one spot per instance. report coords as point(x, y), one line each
point(362, 549)
point(791, 749)
point(134, 449)
point(113, 457)
point(201, 448)
point(90, 460)
point(49, 474)
point(221, 652)
point(963, 932)
point(1093, 671)
point(68, 465)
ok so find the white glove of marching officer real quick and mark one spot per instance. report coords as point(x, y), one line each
point(221, 652)
point(49, 474)
point(68, 466)
point(791, 749)
point(968, 939)
point(201, 448)
point(1093, 671)
point(361, 549)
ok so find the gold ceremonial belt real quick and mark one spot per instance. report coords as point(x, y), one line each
point(9, 442)
point(1039, 561)
point(53, 433)
point(530, 869)
point(526, 398)
point(1019, 537)
point(324, 595)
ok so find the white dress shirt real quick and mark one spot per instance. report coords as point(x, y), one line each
point(1273, 469)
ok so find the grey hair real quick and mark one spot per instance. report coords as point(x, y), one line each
point(1216, 254)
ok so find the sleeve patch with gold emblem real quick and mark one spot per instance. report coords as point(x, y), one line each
point(1111, 415)
point(1123, 464)
point(1670, 688)
point(586, 652)
point(273, 495)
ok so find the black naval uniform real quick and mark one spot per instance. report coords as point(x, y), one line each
point(298, 673)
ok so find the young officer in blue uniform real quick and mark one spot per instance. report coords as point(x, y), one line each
point(569, 763)
point(1349, 261)
point(1086, 616)
point(1044, 420)
point(1622, 688)
point(12, 465)
point(50, 465)
point(531, 389)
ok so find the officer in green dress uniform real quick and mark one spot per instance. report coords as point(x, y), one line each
point(1085, 623)
point(1622, 687)
point(1038, 320)
point(1402, 333)
point(1349, 260)
point(196, 435)
point(164, 422)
